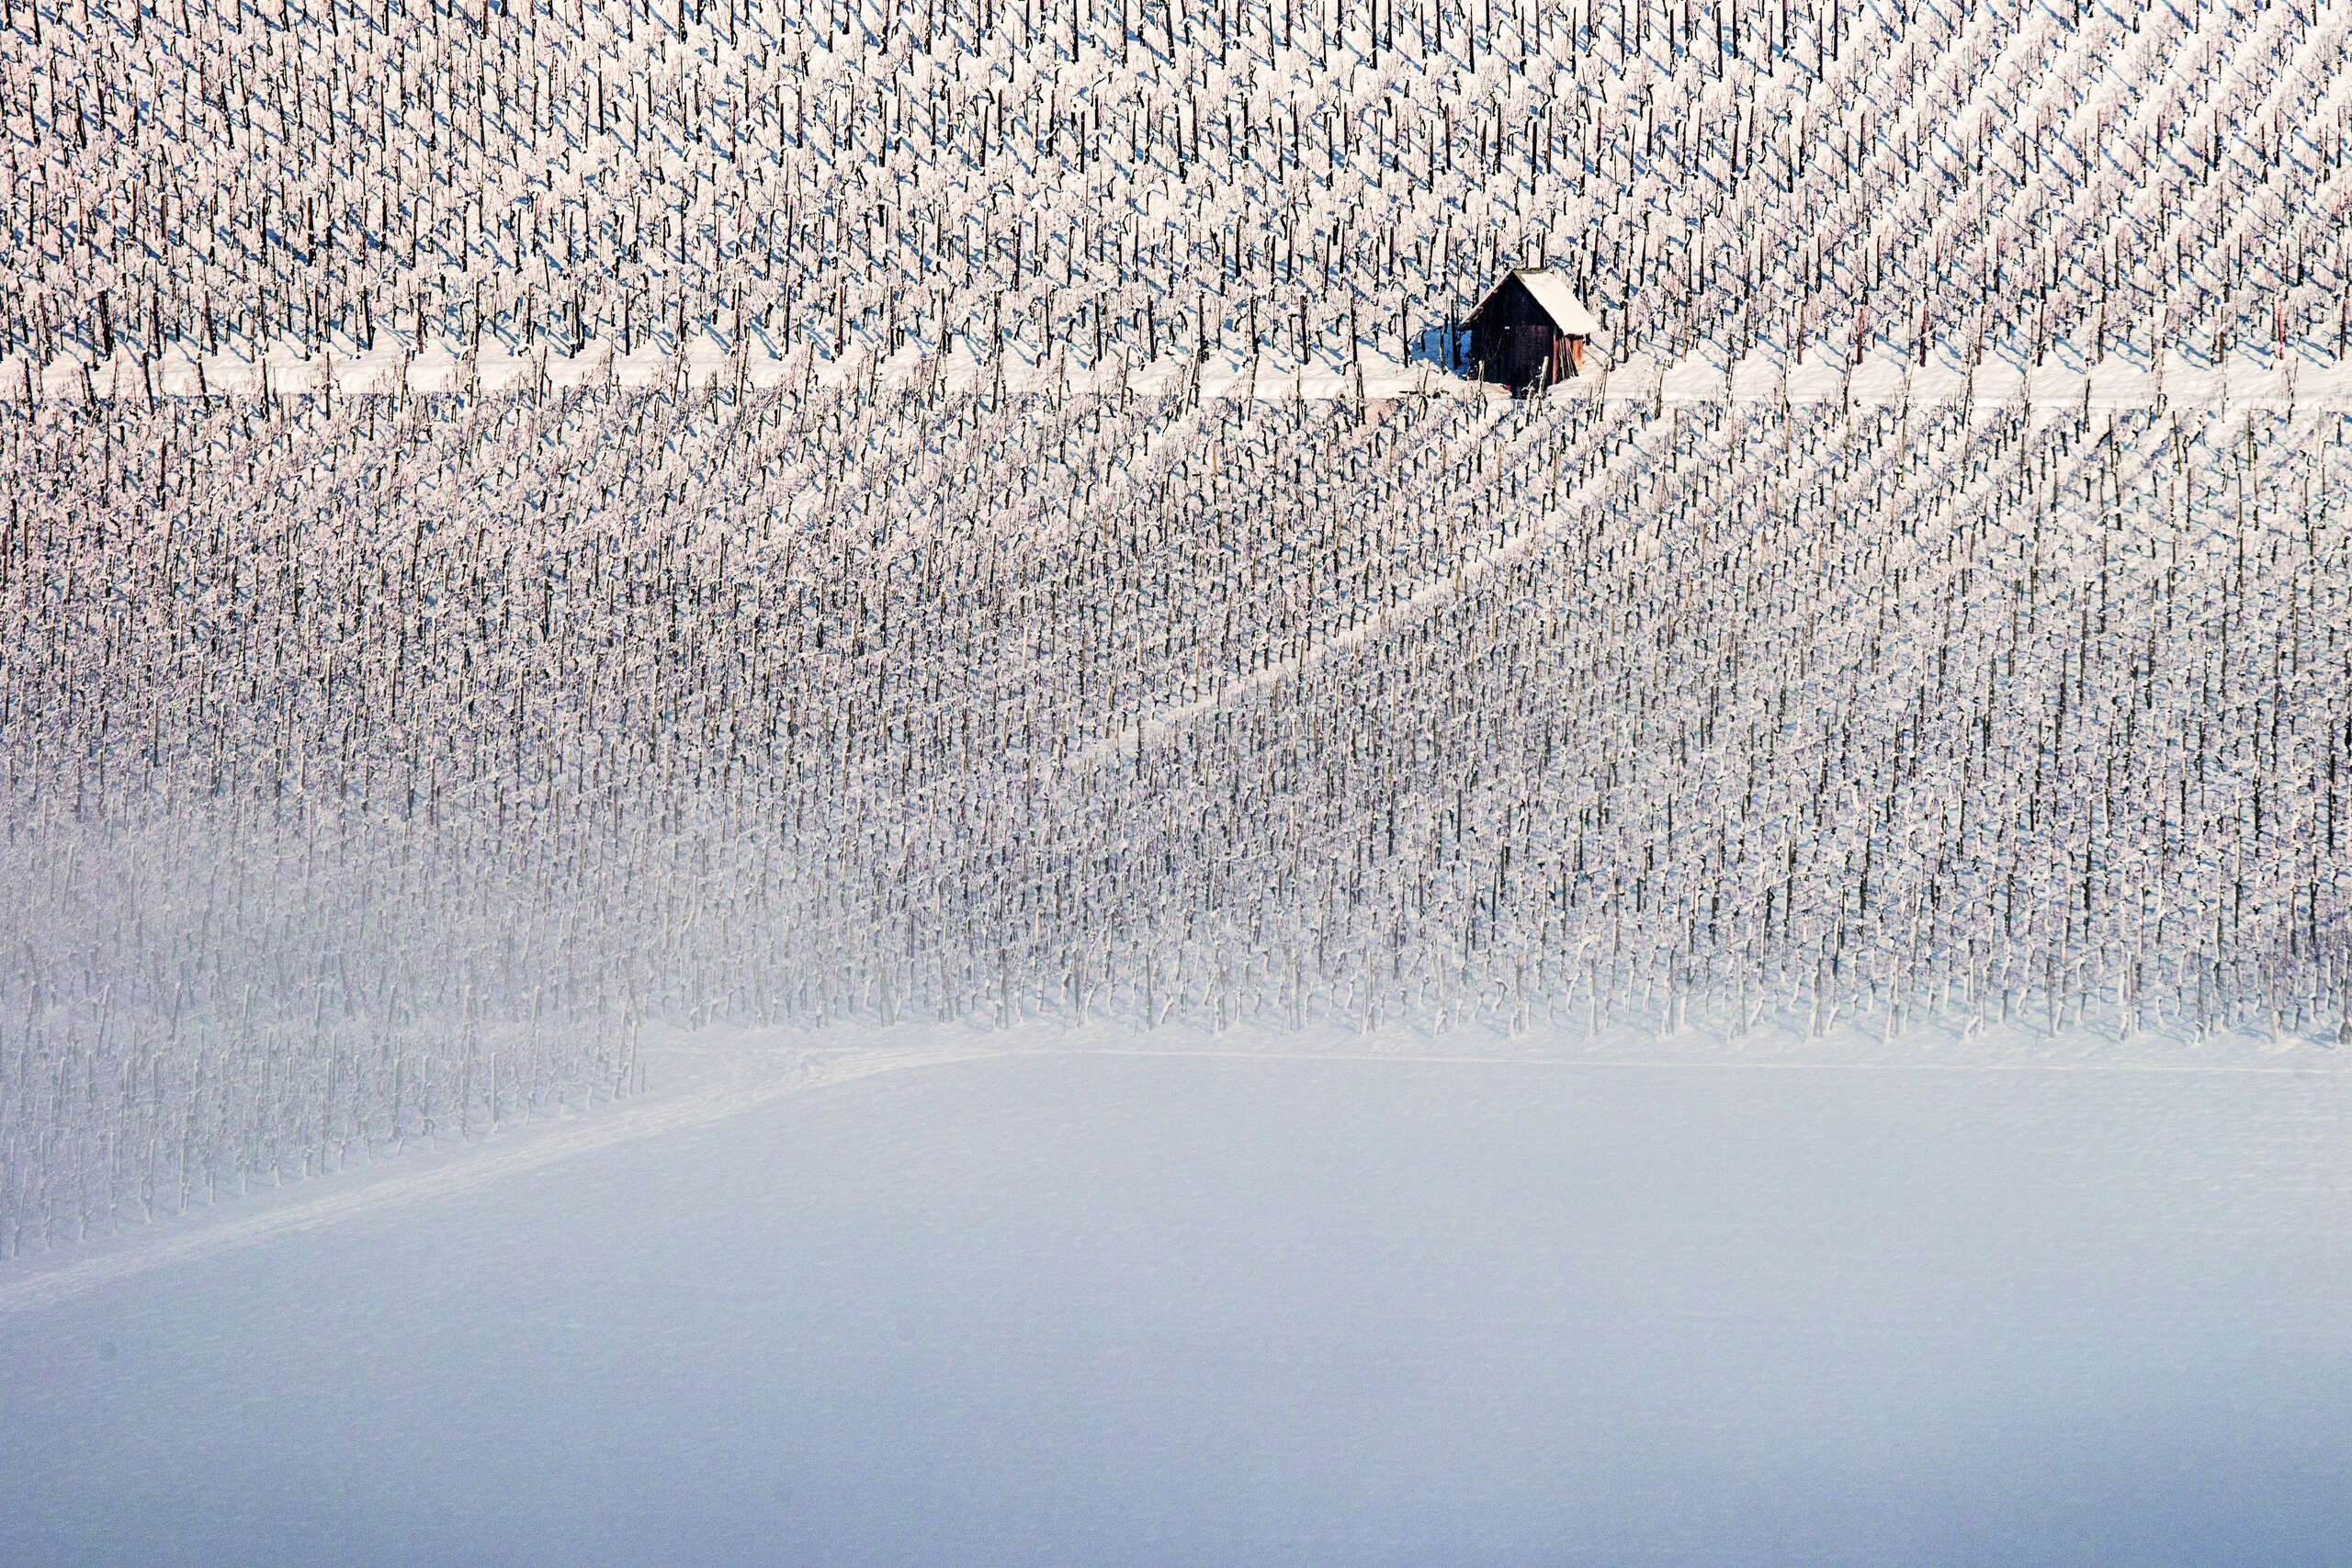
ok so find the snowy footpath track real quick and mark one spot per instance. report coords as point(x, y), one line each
point(2283, 382)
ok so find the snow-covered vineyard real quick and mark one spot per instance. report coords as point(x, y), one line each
point(1954, 182)
point(524, 520)
point(372, 770)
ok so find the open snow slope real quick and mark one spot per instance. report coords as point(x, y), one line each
point(703, 1077)
point(1056, 1310)
point(695, 1092)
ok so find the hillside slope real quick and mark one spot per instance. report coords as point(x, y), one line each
point(379, 773)
point(929, 512)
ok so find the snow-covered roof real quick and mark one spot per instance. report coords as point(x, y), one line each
point(1551, 291)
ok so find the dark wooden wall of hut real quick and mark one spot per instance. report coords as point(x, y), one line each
point(1514, 342)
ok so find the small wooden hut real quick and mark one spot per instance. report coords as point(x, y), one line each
point(1531, 331)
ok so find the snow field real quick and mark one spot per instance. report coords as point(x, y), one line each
point(1064, 1311)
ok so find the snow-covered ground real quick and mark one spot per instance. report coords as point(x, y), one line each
point(1105, 1308)
point(696, 1078)
point(2313, 384)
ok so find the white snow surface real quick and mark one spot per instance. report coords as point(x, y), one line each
point(2237, 381)
point(1335, 1306)
point(703, 1077)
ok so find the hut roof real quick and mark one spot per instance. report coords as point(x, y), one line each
point(1550, 291)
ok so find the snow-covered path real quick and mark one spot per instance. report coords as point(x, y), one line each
point(2066, 381)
